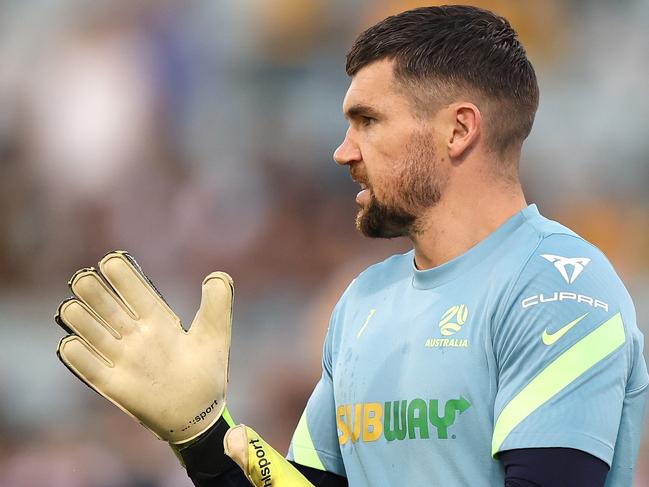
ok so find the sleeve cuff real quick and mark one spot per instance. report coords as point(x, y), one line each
point(577, 441)
point(205, 456)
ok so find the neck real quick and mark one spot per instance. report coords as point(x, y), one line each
point(463, 217)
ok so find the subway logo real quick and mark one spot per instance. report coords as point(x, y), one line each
point(397, 420)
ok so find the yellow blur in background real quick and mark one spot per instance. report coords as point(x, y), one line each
point(198, 136)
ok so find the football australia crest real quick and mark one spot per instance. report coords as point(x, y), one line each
point(451, 323)
point(453, 320)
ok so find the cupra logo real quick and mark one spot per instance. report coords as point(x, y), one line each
point(577, 263)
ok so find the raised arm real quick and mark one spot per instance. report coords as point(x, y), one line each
point(128, 345)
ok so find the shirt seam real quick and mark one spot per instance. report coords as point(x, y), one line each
point(512, 286)
point(318, 450)
point(637, 389)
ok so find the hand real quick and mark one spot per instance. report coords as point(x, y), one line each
point(129, 346)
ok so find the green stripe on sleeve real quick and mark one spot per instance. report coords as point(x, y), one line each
point(567, 367)
point(304, 451)
point(228, 417)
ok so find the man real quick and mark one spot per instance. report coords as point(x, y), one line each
point(503, 349)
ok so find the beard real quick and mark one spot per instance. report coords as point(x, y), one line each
point(417, 185)
point(378, 220)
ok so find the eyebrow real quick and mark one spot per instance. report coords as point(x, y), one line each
point(360, 110)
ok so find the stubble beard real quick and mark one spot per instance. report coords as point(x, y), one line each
point(417, 186)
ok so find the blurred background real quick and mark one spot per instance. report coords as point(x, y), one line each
point(199, 136)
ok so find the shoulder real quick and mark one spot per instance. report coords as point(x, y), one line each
point(566, 266)
point(566, 286)
point(562, 277)
point(545, 257)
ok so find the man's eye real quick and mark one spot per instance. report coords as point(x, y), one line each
point(367, 120)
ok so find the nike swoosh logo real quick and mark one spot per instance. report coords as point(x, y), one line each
point(551, 338)
point(369, 317)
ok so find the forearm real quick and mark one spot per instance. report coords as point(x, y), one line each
point(531, 467)
point(127, 344)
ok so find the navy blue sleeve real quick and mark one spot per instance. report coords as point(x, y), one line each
point(552, 467)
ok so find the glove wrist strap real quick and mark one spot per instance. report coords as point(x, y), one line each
point(205, 458)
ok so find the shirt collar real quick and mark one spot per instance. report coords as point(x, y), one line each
point(448, 271)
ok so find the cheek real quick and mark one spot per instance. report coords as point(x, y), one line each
point(385, 185)
point(384, 178)
point(382, 158)
point(383, 150)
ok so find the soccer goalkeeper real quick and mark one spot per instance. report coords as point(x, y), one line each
point(502, 350)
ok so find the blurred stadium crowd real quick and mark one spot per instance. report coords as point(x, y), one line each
point(198, 135)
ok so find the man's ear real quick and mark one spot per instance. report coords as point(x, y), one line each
point(466, 122)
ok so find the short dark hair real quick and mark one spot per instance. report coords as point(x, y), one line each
point(458, 48)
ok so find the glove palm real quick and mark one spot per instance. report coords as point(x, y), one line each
point(130, 347)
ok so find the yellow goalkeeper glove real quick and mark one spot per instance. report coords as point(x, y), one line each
point(127, 344)
point(261, 464)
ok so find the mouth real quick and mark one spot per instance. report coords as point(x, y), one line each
point(361, 182)
point(363, 197)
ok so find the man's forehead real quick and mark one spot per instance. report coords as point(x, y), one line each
point(370, 85)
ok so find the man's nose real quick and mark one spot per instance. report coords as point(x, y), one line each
point(347, 152)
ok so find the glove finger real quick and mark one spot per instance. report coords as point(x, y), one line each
point(260, 462)
point(84, 362)
point(94, 331)
point(130, 283)
point(235, 445)
point(97, 296)
point(213, 320)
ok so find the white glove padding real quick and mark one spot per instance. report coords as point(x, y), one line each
point(129, 346)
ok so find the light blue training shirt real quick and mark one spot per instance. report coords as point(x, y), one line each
point(527, 340)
